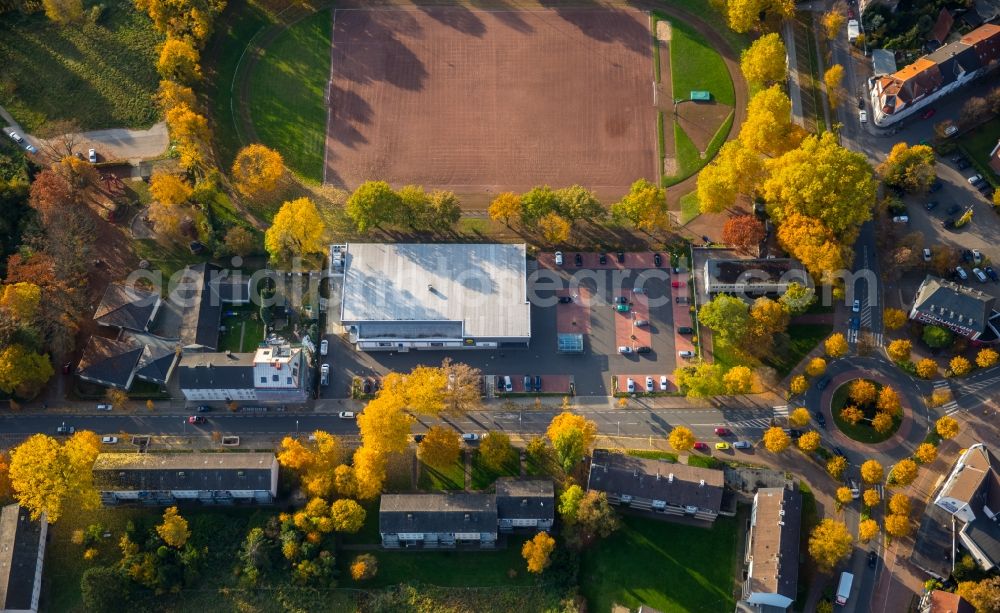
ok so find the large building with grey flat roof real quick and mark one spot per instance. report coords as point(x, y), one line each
point(398, 297)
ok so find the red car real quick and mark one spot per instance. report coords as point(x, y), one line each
point(675, 283)
point(701, 446)
point(927, 114)
point(723, 432)
point(196, 419)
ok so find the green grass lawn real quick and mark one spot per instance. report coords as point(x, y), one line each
point(447, 478)
point(861, 431)
point(667, 566)
point(287, 94)
point(695, 64)
point(802, 338)
point(443, 568)
point(725, 354)
point(689, 206)
point(651, 454)
point(369, 531)
point(100, 75)
point(704, 10)
point(978, 143)
point(167, 258)
point(483, 476)
point(252, 326)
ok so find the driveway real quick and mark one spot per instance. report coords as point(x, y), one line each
point(119, 144)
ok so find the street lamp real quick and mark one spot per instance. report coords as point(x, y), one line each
point(296, 426)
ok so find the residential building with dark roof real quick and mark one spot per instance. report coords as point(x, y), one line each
point(897, 96)
point(772, 551)
point(965, 512)
point(657, 486)
point(753, 277)
point(525, 503)
point(163, 479)
point(127, 308)
point(466, 518)
point(965, 311)
point(274, 373)
point(22, 554)
point(201, 292)
point(438, 520)
point(118, 362)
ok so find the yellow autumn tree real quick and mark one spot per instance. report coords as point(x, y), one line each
point(169, 188)
point(899, 504)
point(538, 551)
point(179, 61)
point(799, 385)
point(986, 357)
point(21, 301)
point(297, 230)
point(384, 427)
point(829, 543)
point(927, 368)
point(899, 350)
point(862, 391)
point(735, 170)
point(816, 367)
point(851, 414)
point(809, 441)
point(833, 79)
point(882, 422)
point(174, 530)
point(844, 495)
point(894, 319)
point(960, 366)
point(571, 436)
point(347, 515)
point(867, 530)
point(776, 440)
point(738, 380)
point(836, 466)
point(925, 453)
point(946, 427)
point(836, 346)
point(62, 12)
point(765, 61)
point(872, 472)
point(904, 472)
point(768, 127)
point(681, 439)
point(898, 526)
point(370, 472)
point(888, 401)
point(257, 170)
point(799, 417)
point(833, 22)
point(505, 207)
point(46, 477)
point(871, 497)
point(555, 228)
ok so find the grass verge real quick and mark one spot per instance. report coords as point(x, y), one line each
point(100, 75)
point(690, 207)
point(446, 478)
point(168, 258)
point(977, 145)
point(484, 476)
point(667, 566)
point(287, 101)
point(802, 338)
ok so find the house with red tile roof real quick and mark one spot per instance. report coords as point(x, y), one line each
point(897, 96)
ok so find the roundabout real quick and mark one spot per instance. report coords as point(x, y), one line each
point(860, 414)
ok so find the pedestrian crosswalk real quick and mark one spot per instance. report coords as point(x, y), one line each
point(981, 385)
point(951, 407)
point(781, 411)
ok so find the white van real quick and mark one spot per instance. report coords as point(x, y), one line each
point(844, 588)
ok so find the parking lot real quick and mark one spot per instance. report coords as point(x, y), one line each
point(592, 288)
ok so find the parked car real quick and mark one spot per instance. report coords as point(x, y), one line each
point(559, 258)
point(603, 259)
point(863, 116)
point(820, 419)
point(565, 299)
point(742, 445)
point(676, 284)
point(927, 254)
point(621, 257)
point(624, 350)
point(649, 384)
point(417, 438)
point(578, 260)
point(641, 323)
point(992, 274)
point(104, 407)
point(901, 219)
point(967, 255)
point(508, 385)
point(861, 102)
point(527, 383)
point(964, 276)
point(685, 330)
point(324, 374)
point(872, 559)
point(977, 256)
point(643, 349)
point(699, 445)
point(979, 275)
point(950, 131)
point(723, 432)
point(976, 179)
point(839, 451)
point(722, 446)
point(638, 290)
point(686, 354)
point(109, 440)
point(856, 307)
point(538, 383)
point(931, 204)
point(855, 323)
point(64, 429)
point(470, 437)
point(622, 308)
point(928, 114)
point(935, 186)
point(621, 299)
point(346, 415)
point(14, 136)
point(663, 383)
point(196, 419)
point(92, 156)
point(324, 347)
point(629, 385)
point(657, 260)
point(204, 408)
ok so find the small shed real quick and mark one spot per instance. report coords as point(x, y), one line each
point(701, 95)
point(569, 342)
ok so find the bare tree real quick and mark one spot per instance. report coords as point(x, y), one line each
point(973, 111)
point(463, 392)
point(61, 138)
